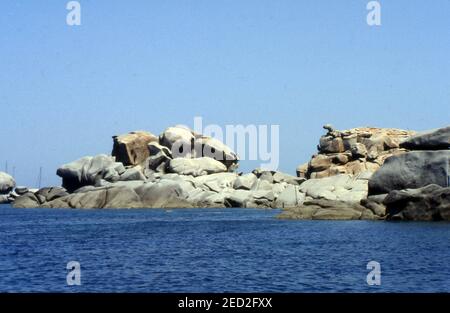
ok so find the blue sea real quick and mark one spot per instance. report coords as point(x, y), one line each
point(216, 250)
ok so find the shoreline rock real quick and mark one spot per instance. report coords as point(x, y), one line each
point(323, 209)
point(7, 186)
point(358, 174)
point(414, 169)
point(7, 183)
point(353, 151)
point(131, 148)
point(436, 139)
point(429, 203)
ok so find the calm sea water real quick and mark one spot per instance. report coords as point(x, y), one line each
point(215, 250)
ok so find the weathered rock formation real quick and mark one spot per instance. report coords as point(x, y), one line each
point(9, 192)
point(343, 187)
point(132, 148)
point(436, 139)
point(414, 169)
point(408, 176)
point(362, 173)
point(178, 169)
point(177, 138)
point(7, 185)
point(353, 151)
point(182, 142)
point(196, 167)
point(166, 190)
point(329, 210)
point(415, 185)
point(140, 155)
point(335, 197)
point(89, 171)
point(210, 147)
point(429, 203)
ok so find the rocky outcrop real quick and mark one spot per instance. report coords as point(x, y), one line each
point(140, 155)
point(375, 204)
point(353, 151)
point(140, 158)
point(394, 182)
point(179, 140)
point(27, 200)
point(335, 198)
point(414, 185)
point(343, 187)
point(7, 183)
point(169, 190)
point(290, 197)
point(196, 167)
point(132, 148)
point(4, 199)
point(117, 195)
point(329, 210)
point(159, 158)
point(210, 147)
point(166, 179)
point(414, 169)
point(245, 182)
point(133, 173)
point(429, 203)
point(21, 190)
point(50, 193)
point(361, 173)
point(436, 139)
point(185, 143)
point(165, 194)
point(89, 171)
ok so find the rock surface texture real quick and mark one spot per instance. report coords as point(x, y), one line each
point(89, 171)
point(353, 151)
point(7, 185)
point(414, 169)
point(430, 203)
point(132, 148)
point(361, 173)
point(415, 185)
point(436, 139)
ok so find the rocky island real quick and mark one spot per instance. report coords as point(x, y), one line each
point(361, 173)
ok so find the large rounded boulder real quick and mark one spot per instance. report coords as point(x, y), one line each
point(429, 203)
point(89, 171)
point(179, 140)
point(436, 139)
point(132, 148)
point(217, 150)
point(196, 167)
point(7, 183)
point(353, 151)
point(185, 143)
point(413, 170)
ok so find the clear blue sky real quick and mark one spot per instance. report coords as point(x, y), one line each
point(64, 91)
